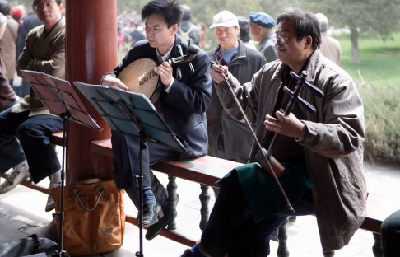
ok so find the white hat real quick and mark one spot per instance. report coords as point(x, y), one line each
point(225, 19)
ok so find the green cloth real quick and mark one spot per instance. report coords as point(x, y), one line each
point(261, 190)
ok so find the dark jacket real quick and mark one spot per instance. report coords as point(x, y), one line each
point(184, 107)
point(229, 138)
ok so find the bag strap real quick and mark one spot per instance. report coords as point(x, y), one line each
point(100, 190)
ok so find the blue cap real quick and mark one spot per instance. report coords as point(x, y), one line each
point(262, 19)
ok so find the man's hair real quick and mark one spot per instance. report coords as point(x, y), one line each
point(5, 8)
point(306, 24)
point(35, 2)
point(169, 9)
point(186, 12)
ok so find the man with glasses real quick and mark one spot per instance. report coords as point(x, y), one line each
point(26, 126)
point(183, 101)
point(322, 152)
point(242, 62)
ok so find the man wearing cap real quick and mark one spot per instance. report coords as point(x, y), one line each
point(242, 62)
point(261, 30)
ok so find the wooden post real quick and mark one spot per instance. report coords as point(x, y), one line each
point(91, 51)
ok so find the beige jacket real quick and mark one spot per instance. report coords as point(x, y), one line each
point(7, 45)
point(331, 48)
point(43, 53)
point(333, 142)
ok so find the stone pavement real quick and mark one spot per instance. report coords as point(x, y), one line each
point(22, 213)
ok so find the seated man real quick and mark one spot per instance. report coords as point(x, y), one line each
point(322, 152)
point(26, 126)
point(183, 100)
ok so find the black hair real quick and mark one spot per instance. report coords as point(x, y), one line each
point(306, 24)
point(5, 8)
point(186, 12)
point(169, 9)
point(35, 2)
point(244, 29)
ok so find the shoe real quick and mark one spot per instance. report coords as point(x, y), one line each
point(50, 205)
point(161, 224)
point(12, 180)
point(187, 253)
point(150, 214)
point(154, 230)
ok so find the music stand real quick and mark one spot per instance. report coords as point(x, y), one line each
point(60, 98)
point(132, 114)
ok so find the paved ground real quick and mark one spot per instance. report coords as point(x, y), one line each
point(22, 213)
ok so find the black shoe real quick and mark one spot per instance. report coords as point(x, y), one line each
point(187, 253)
point(154, 230)
point(150, 214)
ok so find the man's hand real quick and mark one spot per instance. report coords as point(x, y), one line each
point(165, 72)
point(111, 81)
point(287, 125)
point(219, 73)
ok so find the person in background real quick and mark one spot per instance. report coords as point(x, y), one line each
point(245, 32)
point(187, 29)
point(26, 126)
point(30, 21)
point(321, 151)
point(330, 47)
point(229, 138)
point(184, 98)
point(16, 14)
point(7, 43)
point(7, 94)
point(261, 25)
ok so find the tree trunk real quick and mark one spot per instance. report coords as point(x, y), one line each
point(355, 51)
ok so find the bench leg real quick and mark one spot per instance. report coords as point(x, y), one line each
point(204, 199)
point(282, 237)
point(172, 202)
point(377, 248)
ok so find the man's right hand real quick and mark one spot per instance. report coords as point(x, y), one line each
point(111, 81)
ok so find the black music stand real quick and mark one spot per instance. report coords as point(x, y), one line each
point(132, 114)
point(61, 99)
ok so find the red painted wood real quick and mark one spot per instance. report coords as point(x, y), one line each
point(91, 49)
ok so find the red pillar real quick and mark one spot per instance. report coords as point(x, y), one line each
point(91, 42)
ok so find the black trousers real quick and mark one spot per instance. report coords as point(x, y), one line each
point(231, 229)
point(24, 137)
point(391, 235)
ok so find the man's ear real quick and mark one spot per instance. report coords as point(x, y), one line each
point(175, 28)
point(309, 41)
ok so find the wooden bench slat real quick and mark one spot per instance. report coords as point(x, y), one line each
point(204, 170)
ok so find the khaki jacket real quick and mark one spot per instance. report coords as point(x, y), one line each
point(7, 45)
point(333, 142)
point(42, 53)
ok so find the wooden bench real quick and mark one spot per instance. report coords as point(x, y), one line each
point(207, 170)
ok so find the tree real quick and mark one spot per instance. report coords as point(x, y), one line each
point(374, 17)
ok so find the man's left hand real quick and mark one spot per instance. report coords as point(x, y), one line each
point(287, 125)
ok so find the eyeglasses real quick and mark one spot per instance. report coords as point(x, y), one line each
point(282, 39)
point(41, 6)
point(153, 30)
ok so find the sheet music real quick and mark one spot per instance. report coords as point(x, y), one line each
point(59, 97)
point(130, 113)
